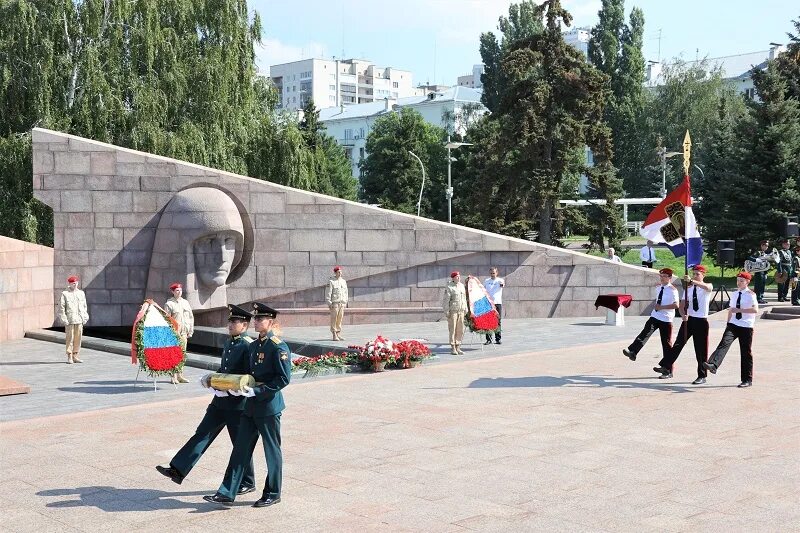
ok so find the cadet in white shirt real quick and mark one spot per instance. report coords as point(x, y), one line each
point(648, 255)
point(695, 325)
point(494, 286)
point(741, 319)
point(660, 319)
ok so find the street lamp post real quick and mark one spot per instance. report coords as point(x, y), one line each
point(662, 152)
point(419, 202)
point(449, 192)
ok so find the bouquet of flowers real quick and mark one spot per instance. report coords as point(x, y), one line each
point(321, 363)
point(156, 345)
point(411, 350)
point(380, 350)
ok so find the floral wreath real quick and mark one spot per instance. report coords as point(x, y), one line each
point(166, 353)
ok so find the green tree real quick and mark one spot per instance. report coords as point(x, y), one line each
point(788, 63)
point(524, 20)
point(547, 115)
point(391, 177)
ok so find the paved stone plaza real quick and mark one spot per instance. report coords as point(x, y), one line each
point(559, 432)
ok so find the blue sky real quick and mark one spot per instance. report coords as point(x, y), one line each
point(438, 39)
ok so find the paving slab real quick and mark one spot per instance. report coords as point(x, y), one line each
point(568, 437)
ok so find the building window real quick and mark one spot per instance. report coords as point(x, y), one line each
point(332, 98)
point(361, 153)
point(332, 87)
point(348, 134)
point(348, 152)
point(395, 85)
point(294, 88)
point(750, 93)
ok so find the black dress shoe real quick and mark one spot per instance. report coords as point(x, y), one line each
point(245, 490)
point(498, 342)
point(661, 370)
point(668, 375)
point(488, 341)
point(171, 473)
point(218, 498)
point(266, 502)
point(629, 354)
point(699, 381)
point(710, 367)
point(745, 384)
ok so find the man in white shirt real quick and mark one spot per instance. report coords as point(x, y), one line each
point(695, 324)
point(494, 286)
point(612, 256)
point(741, 319)
point(648, 255)
point(660, 319)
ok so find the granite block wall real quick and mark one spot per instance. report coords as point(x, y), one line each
point(26, 288)
point(109, 201)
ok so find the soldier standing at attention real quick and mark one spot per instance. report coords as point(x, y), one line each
point(454, 305)
point(760, 278)
point(695, 324)
point(660, 319)
point(271, 366)
point(178, 308)
point(73, 313)
point(336, 298)
point(784, 267)
point(741, 319)
point(224, 410)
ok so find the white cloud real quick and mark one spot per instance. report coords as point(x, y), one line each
point(274, 52)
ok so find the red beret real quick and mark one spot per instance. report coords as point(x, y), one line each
point(175, 286)
point(455, 273)
point(746, 275)
point(72, 279)
point(665, 271)
point(337, 268)
point(700, 268)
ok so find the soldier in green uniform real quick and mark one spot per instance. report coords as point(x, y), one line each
point(271, 366)
point(224, 410)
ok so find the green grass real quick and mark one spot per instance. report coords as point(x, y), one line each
point(666, 259)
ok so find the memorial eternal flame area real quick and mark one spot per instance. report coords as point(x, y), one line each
point(554, 430)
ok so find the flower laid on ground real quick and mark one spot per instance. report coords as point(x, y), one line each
point(411, 350)
point(327, 361)
point(376, 351)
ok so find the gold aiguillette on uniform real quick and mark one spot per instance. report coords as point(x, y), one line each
point(231, 381)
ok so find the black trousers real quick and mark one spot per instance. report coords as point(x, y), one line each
point(745, 336)
point(696, 329)
point(653, 324)
point(647, 264)
point(499, 308)
point(796, 294)
point(783, 290)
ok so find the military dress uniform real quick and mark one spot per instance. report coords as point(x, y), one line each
point(759, 278)
point(454, 305)
point(784, 265)
point(795, 276)
point(271, 366)
point(336, 298)
point(223, 411)
point(659, 320)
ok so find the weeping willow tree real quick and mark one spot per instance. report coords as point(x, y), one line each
point(170, 77)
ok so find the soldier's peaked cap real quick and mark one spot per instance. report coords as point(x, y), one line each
point(238, 313)
point(260, 309)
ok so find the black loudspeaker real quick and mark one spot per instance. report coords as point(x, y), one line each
point(725, 253)
point(791, 227)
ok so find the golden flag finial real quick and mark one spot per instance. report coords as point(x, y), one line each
point(687, 153)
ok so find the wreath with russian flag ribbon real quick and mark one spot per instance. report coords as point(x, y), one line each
point(156, 345)
point(482, 316)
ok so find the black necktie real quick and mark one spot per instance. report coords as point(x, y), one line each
point(660, 295)
point(738, 303)
point(695, 305)
point(650, 254)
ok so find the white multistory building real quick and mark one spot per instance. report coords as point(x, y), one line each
point(578, 38)
point(473, 81)
point(337, 82)
point(350, 125)
point(735, 69)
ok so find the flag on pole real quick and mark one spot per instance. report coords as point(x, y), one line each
point(672, 222)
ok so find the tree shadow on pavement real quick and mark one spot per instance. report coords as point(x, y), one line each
point(115, 500)
point(579, 381)
point(125, 386)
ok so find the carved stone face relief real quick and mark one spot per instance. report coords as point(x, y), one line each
point(198, 243)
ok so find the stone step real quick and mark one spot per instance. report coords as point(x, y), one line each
point(775, 315)
point(786, 310)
